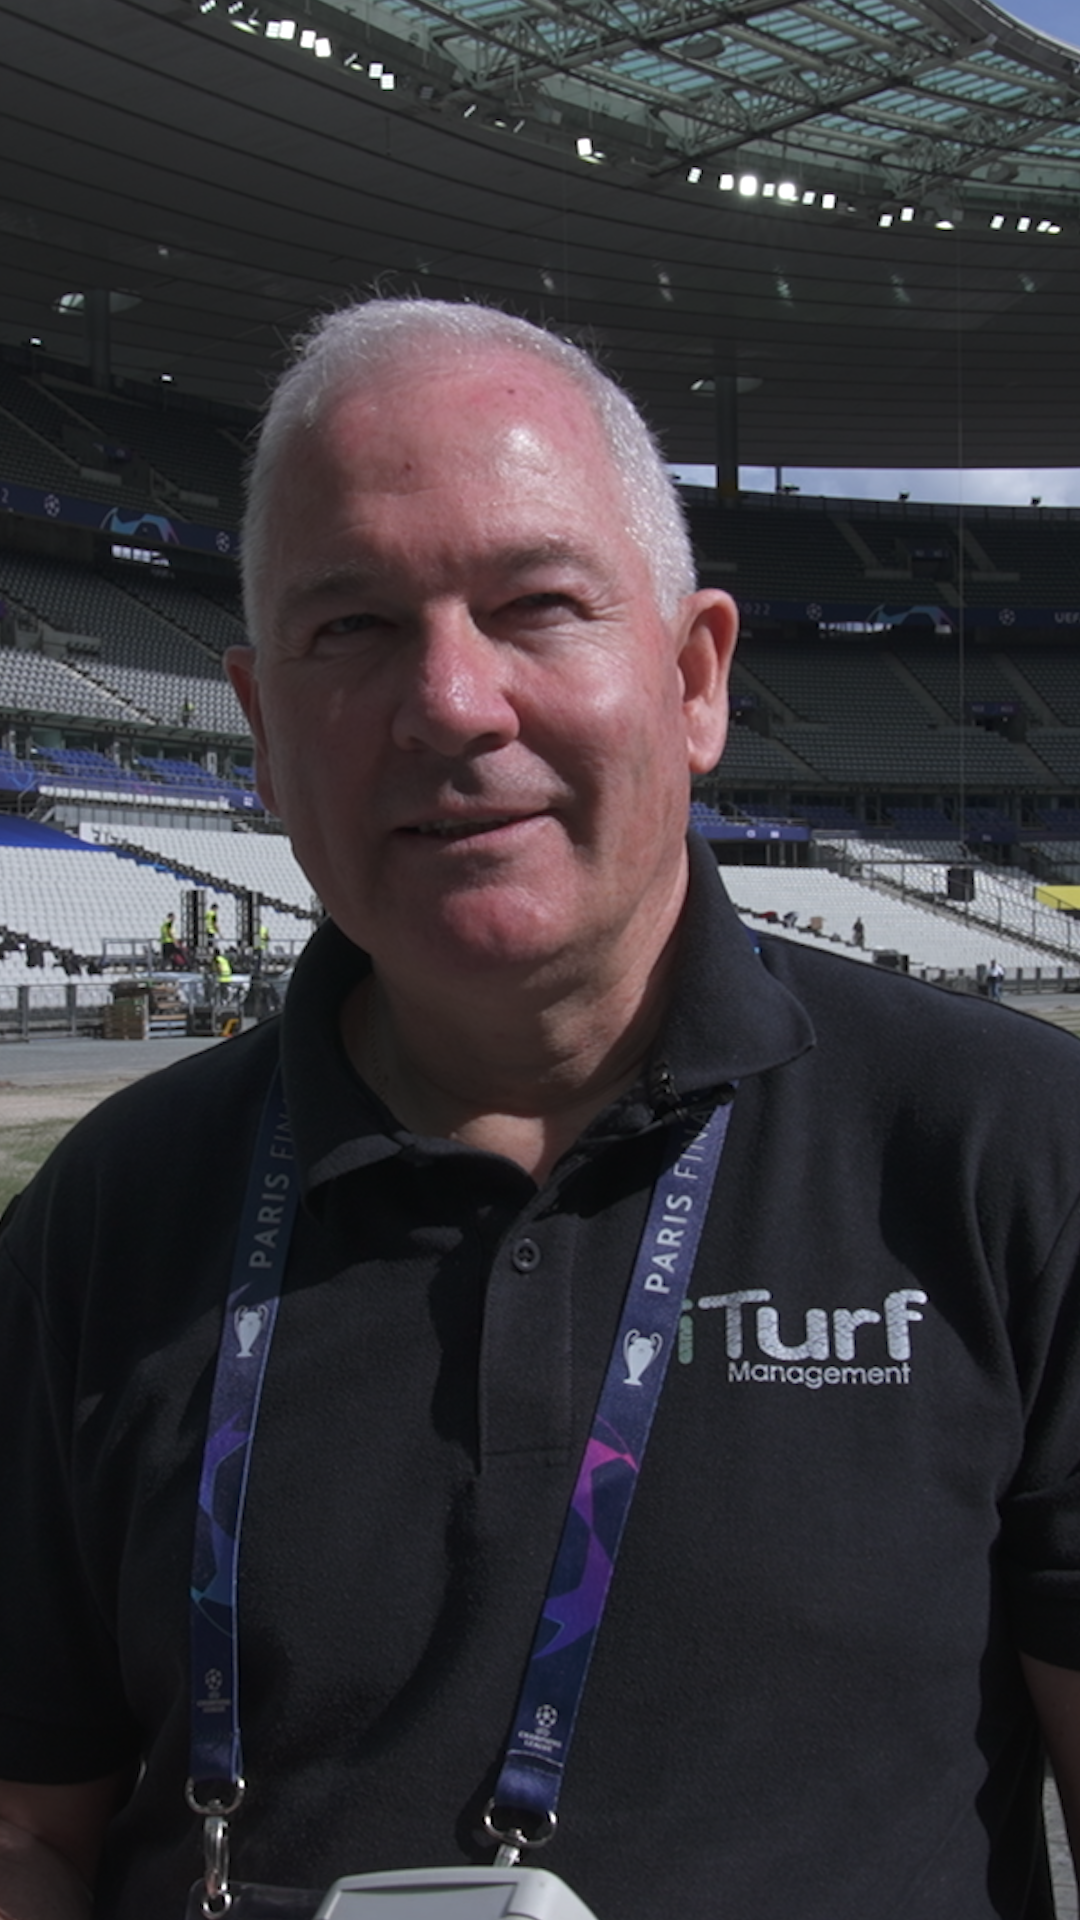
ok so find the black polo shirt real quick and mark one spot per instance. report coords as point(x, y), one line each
point(861, 1491)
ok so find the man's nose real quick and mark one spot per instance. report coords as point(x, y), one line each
point(454, 695)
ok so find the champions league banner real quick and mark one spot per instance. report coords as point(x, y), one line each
point(125, 526)
point(161, 531)
point(851, 617)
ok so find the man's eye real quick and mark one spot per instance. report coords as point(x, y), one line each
point(541, 603)
point(349, 623)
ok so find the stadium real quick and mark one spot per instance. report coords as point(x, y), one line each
point(827, 232)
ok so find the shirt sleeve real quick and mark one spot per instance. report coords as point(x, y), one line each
point(63, 1716)
point(1041, 1516)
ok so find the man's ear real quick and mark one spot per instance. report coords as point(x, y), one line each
point(708, 623)
point(241, 665)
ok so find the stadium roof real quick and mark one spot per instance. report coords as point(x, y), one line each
point(867, 212)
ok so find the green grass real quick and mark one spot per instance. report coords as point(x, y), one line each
point(23, 1147)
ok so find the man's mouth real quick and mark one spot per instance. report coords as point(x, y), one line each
point(463, 829)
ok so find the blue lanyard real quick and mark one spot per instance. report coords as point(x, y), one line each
point(555, 1677)
point(554, 1683)
point(247, 1330)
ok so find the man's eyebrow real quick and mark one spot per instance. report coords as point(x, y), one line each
point(324, 583)
point(369, 574)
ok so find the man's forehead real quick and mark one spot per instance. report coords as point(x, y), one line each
point(524, 402)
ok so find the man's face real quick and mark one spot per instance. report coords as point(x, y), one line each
point(468, 712)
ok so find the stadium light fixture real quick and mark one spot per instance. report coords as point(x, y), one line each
point(375, 68)
point(997, 222)
point(207, 6)
point(166, 379)
point(693, 175)
point(281, 29)
point(809, 198)
point(467, 112)
point(587, 152)
point(828, 201)
point(885, 219)
point(748, 185)
point(1023, 224)
point(726, 182)
point(308, 39)
point(907, 214)
point(768, 191)
point(386, 82)
point(788, 191)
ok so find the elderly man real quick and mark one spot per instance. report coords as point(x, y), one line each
point(553, 1121)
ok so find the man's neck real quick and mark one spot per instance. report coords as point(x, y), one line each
point(510, 1075)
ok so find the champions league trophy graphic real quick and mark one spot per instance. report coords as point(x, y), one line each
point(639, 1352)
point(249, 1323)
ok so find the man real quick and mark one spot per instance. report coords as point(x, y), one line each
point(480, 682)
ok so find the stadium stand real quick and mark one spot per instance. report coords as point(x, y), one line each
point(116, 718)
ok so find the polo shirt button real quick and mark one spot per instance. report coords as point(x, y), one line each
point(525, 1256)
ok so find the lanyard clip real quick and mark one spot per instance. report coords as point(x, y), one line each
point(513, 1840)
point(217, 1896)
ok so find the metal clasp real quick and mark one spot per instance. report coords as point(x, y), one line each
point(513, 1840)
point(217, 1897)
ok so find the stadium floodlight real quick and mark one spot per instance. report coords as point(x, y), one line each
point(375, 68)
point(787, 190)
point(997, 222)
point(726, 182)
point(885, 219)
point(586, 151)
point(308, 39)
point(809, 198)
point(945, 226)
point(166, 379)
point(1045, 226)
point(768, 191)
point(323, 47)
point(693, 175)
point(828, 201)
point(386, 82)
point(207, 6)
point(281, 29)
point(1023, 224)
point(907, 213)
point(748, 185)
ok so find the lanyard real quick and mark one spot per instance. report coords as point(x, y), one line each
point(558, 1665)
point(555, 1677)
point(247, 1329)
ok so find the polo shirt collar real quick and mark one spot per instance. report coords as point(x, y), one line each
point(728, 1018)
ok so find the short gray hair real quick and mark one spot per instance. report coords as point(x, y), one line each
point(351, 347)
